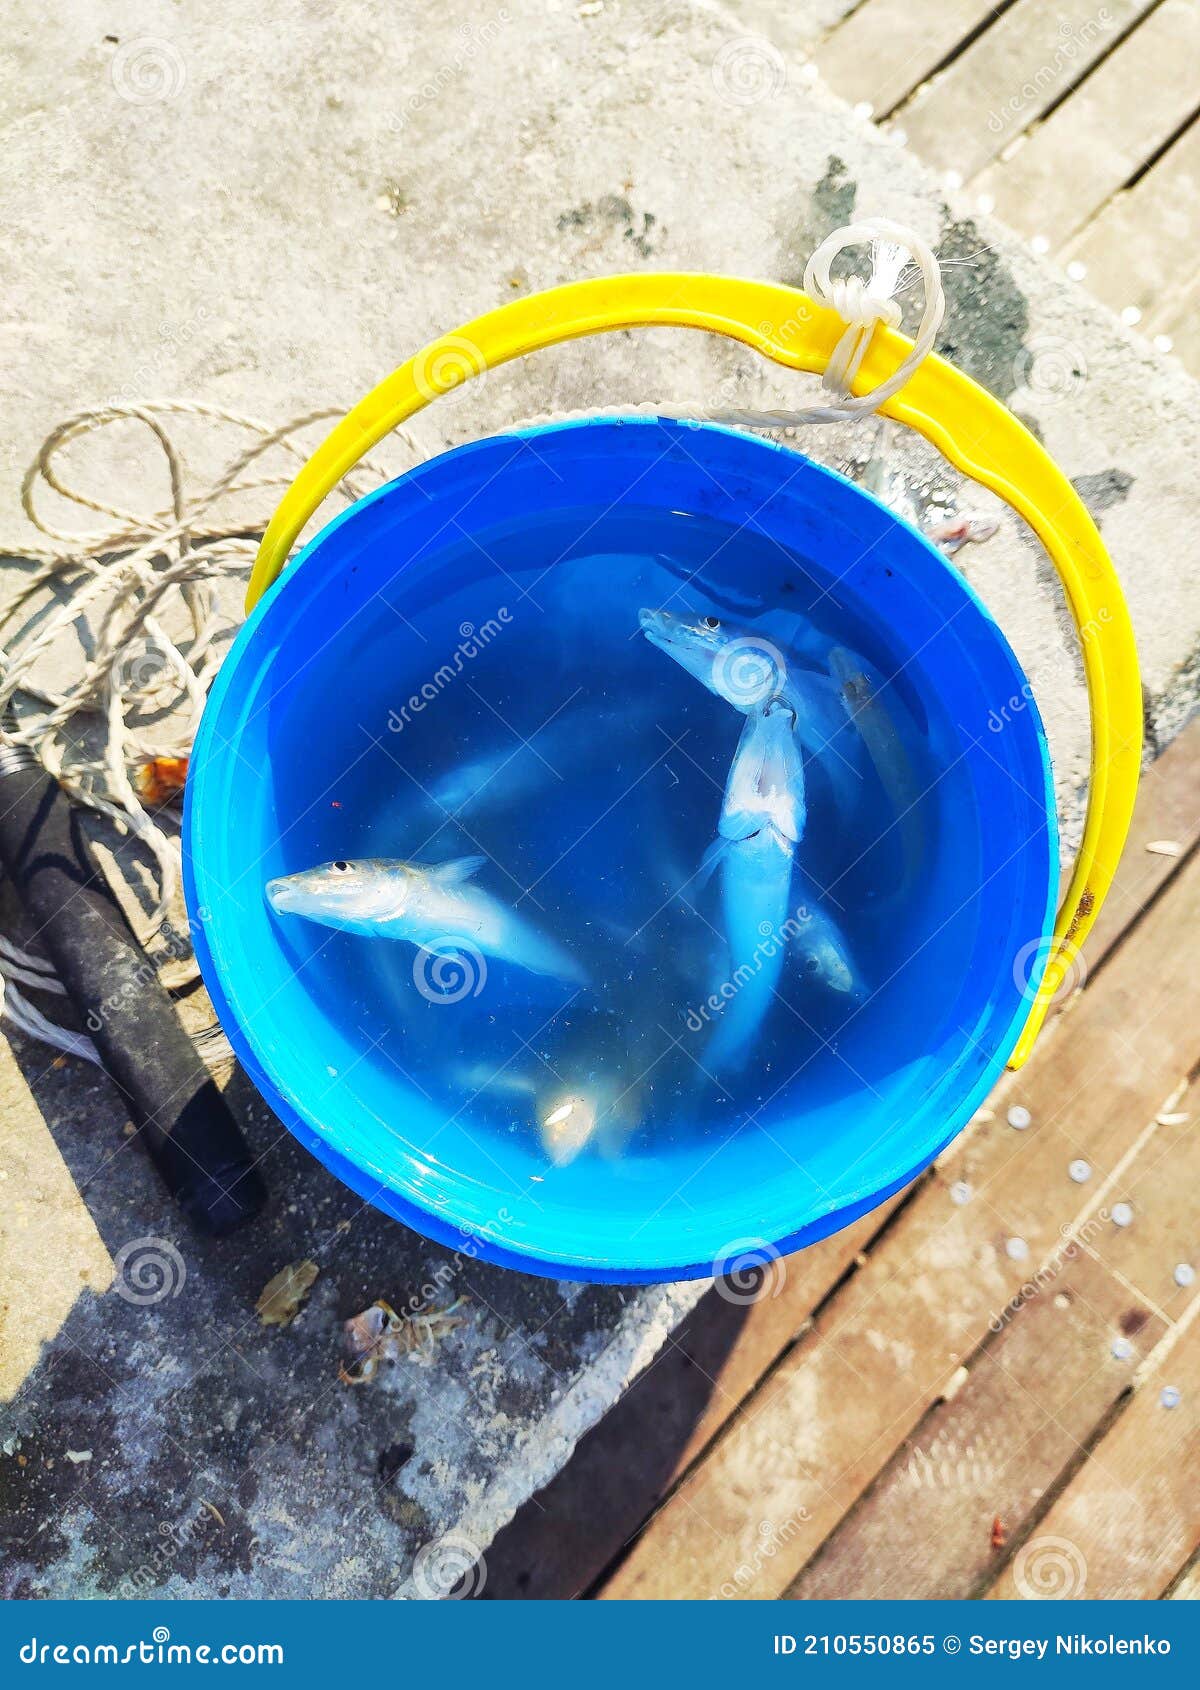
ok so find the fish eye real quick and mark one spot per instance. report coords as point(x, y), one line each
point(340, 867)
point(711, 622)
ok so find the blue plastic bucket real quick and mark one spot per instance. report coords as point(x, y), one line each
point(295, 739)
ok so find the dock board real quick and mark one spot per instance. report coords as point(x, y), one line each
point(1077, 125)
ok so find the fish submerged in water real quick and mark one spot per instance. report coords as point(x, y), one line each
point(510, 775)
point(763, 817)
point(748, 671)
point(584, 1089)
point(435, 906)
point(817, 938)
point(738, 666)
point(762, 822)
point(861, 688)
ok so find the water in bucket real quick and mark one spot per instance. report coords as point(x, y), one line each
point(508, 705)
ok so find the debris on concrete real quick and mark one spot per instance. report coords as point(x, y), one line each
point(283, 1297)
point(380, 1334)
point(160, 779)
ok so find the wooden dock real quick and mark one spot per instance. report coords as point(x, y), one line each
point(1077, 123)
point(988, 1387)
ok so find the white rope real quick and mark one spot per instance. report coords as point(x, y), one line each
point(139, 688)
point(138, 574)
point(15, 1007)
point(861, 305)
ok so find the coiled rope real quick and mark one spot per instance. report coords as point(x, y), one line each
point(139, 689)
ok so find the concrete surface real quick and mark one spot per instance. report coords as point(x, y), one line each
point(267, 211)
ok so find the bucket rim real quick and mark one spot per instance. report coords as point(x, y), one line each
point(398, 1199)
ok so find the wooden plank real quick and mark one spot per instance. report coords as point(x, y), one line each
point(825, 1422)
point(991, 1453)
point(1130, 1519)
point(1160, 1189)
point(1186, 1588)
point(1167, 812)
point(566, 1536)
point(1033, 1399)
point(1097, 141)
point(1005, 80)
point(1132, 248)
point(886, 47)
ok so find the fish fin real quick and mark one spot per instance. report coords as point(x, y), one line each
point(453, 873)
point(709, 861)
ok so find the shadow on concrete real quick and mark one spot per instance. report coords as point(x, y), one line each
point(564, 1540)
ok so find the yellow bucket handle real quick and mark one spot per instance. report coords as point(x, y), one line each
point(969, 427)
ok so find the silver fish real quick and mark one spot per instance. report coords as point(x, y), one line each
point(743, 669)
point(585, 1092)
point(433, 906)
point(860, 689)
point(762, 821)
point(822, 948)
point(748, 671)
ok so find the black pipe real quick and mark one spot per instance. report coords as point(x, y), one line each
point(178, 1111)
